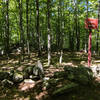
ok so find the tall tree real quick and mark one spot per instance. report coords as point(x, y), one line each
point(21, 28)
point(86, 36)
point(7, 27)
point(97, 42)
point(58, 24)
point(37, 27)
point(70, 31)
point(77, 25)
point(49, 30)
point(27, 21)
point(61, 4)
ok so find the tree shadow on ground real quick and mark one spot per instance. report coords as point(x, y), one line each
point(88, 88)
point(82, 92)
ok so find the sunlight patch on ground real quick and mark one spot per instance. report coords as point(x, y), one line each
point(20, 98)
point(68, 64)
point(41, 95)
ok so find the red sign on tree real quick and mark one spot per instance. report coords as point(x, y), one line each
point(91, 23)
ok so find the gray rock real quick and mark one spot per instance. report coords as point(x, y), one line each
point(38, 69)
point(29, 81)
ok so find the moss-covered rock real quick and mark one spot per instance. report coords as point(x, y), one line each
point(18, 77)
point(60, 74)
point(81, 74)
point(66, 88)
point(25, 75)
point(4, 75)
point(29, 70)
point(51, 83)
point(7, 83)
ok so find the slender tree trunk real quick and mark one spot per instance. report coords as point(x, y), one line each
point(7, 27)
point(48, 29)
point(78, 38)
point(86, 36)
point(58, 28)
point(76, 20)
point(78, 28)
point(97, 42)
point(37, 27)
point(27, 21)
point(21, 29)
point(62, 30)
point(70, 34)
point(59, 32)
point(73, 39)
point(31, 27)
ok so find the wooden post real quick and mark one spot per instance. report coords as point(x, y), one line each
point(89, 47)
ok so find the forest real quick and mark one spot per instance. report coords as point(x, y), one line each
point(47, 52)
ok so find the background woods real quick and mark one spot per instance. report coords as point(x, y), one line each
point(47, 25)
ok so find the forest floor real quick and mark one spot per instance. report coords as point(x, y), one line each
point(37, 92)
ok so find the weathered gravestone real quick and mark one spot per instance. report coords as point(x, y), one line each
point(38, 69)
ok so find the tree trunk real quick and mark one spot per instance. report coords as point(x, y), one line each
point(97, 42)
point(48, 30)
point(58, 28)
point(78, 38)
point(37, 27)
point(27, 21)
point(21, 30)
point(7, 27)
point(78, 28)
point(76, 20)
point(62, 30)
point(86, 37)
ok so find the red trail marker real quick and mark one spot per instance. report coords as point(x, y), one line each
point(90, 24)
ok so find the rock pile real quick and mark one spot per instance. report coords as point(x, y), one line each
point(15, 76)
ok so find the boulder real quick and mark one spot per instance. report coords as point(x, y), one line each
point(25, 75)
point(65, 89)
point(60, 74)
point(51, 83)
point(18, 77)
point(29, 70)
point(28, 81)
point(7, 83)
point(81, 74)
point(4, 75)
